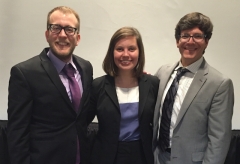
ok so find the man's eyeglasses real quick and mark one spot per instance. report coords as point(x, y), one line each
point(56, 29)
point(195, 37)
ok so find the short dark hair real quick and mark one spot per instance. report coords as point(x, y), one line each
point(194, 19)
point(109, 65)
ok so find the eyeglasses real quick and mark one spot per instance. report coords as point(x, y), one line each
point(195, 37)
point(56, 29)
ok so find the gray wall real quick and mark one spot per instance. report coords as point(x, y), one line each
point(23, 23)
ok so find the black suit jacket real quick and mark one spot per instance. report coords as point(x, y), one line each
point(42, 124)
point(104, 103)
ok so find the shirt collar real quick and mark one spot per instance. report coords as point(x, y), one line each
point(59, 64)
point(192, 67)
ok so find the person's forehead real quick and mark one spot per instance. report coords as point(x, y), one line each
point(62, 16)
point(192, 30)
point(59, 13)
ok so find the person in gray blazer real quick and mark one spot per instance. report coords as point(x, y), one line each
point(192, 125)
point(47, 123)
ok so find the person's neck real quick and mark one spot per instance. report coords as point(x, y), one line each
point(126, 80)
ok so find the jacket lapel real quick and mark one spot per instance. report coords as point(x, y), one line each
point(81, 66)
point(111, 90)
point(164, 78)
point(82, 70)
point(194, 88)
point(53, 75)
point(143, 93)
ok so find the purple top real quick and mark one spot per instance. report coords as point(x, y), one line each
point(128, 99)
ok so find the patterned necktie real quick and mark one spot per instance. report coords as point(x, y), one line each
point(73, 85)
point(167, 108)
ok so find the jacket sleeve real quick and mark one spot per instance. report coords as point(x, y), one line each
point(19, 117)
point(219, 124)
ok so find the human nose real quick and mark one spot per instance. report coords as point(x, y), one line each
point(62, 32)
point(125, 53)
point(191, 39)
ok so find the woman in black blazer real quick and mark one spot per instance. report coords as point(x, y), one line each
point(124, 102)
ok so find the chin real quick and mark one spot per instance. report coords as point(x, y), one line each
point(189, 56)
point(62, 53)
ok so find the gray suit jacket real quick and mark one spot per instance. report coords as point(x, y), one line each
point(202, 132)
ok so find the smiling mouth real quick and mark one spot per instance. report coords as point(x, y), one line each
point(190, 49)
point(62, 43)
point(125, 61)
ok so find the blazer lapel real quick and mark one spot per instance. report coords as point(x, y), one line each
point(143, 93)
point(194, 88)
point(111, 90)
point(83, 70)
point(165, 74)
point(53, 75)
